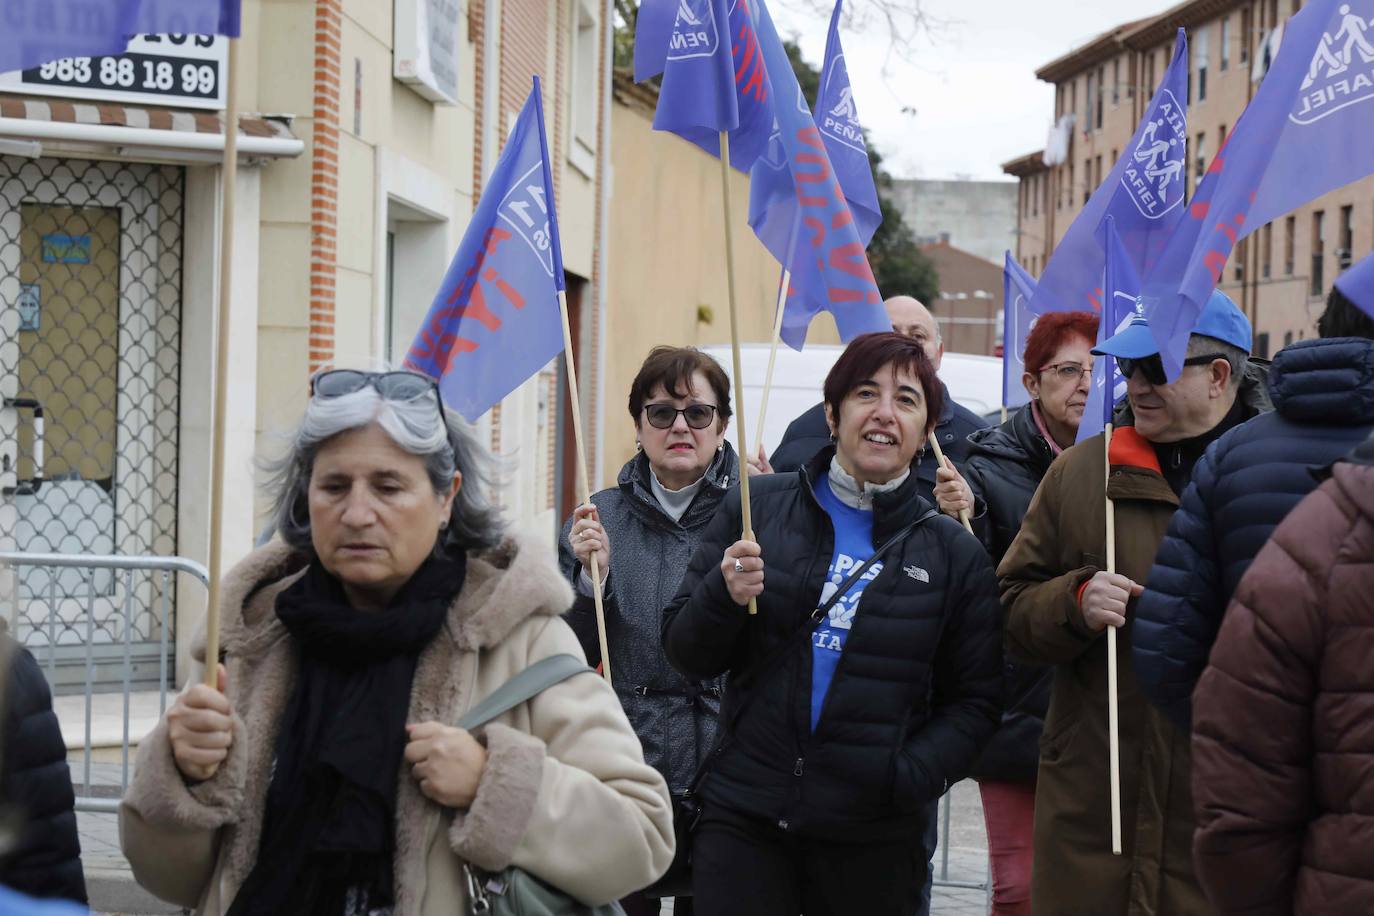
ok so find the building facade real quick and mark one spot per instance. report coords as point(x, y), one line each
point(1281, 273)
point(371, 126)
point(969, 307)
point(975, 216)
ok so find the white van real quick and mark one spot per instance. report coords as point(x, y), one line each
point(973, 381)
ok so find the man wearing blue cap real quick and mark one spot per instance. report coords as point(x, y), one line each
point(1060, 600)
point(1323, 393)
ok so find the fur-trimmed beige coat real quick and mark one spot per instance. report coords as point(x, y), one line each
point(566, 794)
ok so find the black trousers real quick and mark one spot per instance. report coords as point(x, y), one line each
point(748, 867)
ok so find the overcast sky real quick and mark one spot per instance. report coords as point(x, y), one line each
point(973, 89)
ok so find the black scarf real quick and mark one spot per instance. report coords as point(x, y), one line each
point(328, 831)
point(1177, 459)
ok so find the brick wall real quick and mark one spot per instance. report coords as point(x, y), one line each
point(324, 181)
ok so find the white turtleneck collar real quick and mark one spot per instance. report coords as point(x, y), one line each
point(674, 502)
point(859, 496)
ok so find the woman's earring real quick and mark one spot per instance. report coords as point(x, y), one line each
point(443, 525)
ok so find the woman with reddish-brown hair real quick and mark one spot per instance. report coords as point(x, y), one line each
point(868, 680)
point(1004, 467)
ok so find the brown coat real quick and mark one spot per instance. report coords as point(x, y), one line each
point(561, 769)
point(1060, 546)
point(1283, 722)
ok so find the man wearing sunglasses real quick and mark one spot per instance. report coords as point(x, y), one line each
point(1060, 600)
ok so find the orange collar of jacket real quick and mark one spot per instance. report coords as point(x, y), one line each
point(1130, 449)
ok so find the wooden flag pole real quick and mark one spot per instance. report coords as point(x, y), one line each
point(228, 176)
point(1113, 734)
point(772, 357)
point(584, 490)
point(740, 437)
point(940, 459)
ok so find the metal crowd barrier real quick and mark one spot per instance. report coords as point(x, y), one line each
point(58, 620)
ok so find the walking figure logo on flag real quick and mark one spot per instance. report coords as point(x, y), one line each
point(694, 31)
point(1154, 176)
point(1329, 71)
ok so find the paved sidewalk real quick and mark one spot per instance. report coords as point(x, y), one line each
point(113, 891)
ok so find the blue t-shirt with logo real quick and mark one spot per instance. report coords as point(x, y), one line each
point(853, 545)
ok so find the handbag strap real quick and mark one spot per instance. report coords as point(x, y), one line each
point(524, 686)
point(780, 652)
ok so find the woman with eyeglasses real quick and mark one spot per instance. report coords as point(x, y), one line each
point(1005, 465)
point(643, 531)
point(324, 774)
point(869, 678)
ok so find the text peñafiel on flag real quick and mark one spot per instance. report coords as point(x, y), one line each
point(495, 320)
point(1144, 192)
point(1120, 306)
point(1018, 286)
point(1309, 129)
point(837, 116)
point(713, 77)
point(33, 33)
point(795, 185)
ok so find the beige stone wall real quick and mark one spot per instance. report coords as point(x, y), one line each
point(667, 276)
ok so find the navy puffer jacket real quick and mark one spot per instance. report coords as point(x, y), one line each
point(36, 785)
point(917, 690)
point(1246, 483)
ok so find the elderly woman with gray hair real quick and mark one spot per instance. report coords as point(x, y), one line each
point(326, 774)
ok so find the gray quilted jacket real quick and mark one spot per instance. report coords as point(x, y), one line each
point(675, 718)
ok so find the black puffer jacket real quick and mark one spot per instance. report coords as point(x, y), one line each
point(1005, 464)
point(36, 787)
point(1248, 480)
point(916, 692)
point(674, 717)
point(808, 434)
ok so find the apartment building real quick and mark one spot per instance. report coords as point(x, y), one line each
point(1281, 273)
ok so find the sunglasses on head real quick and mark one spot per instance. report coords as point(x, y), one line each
point(663, 416)
point(400, 385)
point(1153, 367)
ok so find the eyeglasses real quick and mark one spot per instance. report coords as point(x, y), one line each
point(1153, 367)
point(1068, 372)
point(663, 416)
point(394, 386)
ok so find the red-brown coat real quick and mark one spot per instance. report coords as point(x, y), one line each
point(1284, 718)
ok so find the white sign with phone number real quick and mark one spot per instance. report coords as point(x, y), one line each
point(179, 70)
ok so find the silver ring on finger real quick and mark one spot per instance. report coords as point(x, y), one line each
point(739, 566)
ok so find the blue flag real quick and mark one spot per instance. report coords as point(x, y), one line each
point(1357, 284)
point(798, 210)
point(838, 118)
point(34, 32)
point(495, 320)
point(1121, 287)
point(1144, 192)
point(1309, 129)
point(1018, 288)
point(713, 76)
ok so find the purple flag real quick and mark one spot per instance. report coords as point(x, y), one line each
point(33, 33)
point(795, 185)
point(1357, 285)
point(713, 76)
point(838, 118)
point(1018, 288)
point(1308, 130)
point(1144, 192)
point(495, 320)
point(1120, 306)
